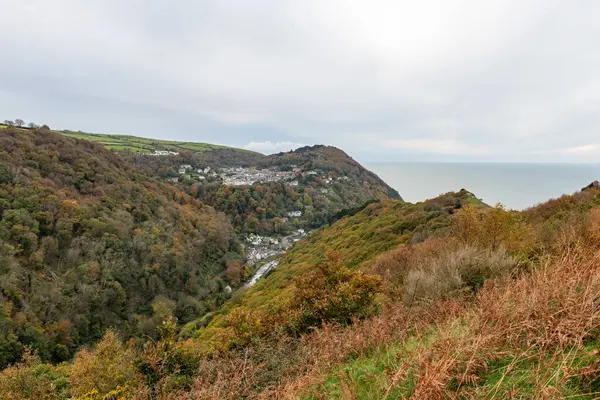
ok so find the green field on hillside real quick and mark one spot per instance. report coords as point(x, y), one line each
point(140, 144)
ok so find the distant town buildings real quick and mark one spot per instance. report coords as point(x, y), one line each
point(184, 168)
point(250, 176)
point(163, 153)
point(264, 247)
point(239, 176)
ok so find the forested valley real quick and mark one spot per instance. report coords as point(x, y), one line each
point(88, 243)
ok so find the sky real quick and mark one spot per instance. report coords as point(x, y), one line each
point(443, 80)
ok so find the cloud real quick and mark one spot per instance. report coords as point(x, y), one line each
point(269, 147)
point(586, 149)
point(502, 79)
point(436, 146)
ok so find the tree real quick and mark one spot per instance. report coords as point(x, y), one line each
point(332, 293)
point(6, 175)
point(109, 369)
point(234, 272)
point(492, 228)
point(8, 122)
point(19, 122)
point(33, 125)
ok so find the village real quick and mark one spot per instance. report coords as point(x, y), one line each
point(249, 176)
point(158, 153)
point(240, 176)
point(260, 248)
point(268, 249)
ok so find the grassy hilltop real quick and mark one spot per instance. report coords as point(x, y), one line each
point(139, 144)
point(145, 145)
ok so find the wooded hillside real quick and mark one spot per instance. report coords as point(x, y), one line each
point(88, 243)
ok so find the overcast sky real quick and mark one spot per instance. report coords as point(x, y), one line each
point(384, 80)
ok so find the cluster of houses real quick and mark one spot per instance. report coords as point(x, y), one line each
point(239, 176)
point(249, 176)
point(264, 247)
point(262, 271)
point(202, 173)
point(163, 153)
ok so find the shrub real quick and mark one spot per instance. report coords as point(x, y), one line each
point(31, 379)
point(246, 326)
point(453, 270)
point(108, 368)
point(166, 364)
point(493, 228)
point(332, 293)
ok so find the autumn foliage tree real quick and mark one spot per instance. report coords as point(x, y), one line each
point(88, 243)
point(332, 293)
point(108, 369)
point(492, 228)
point(234, 272)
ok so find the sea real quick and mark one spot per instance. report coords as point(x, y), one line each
point(516, 186)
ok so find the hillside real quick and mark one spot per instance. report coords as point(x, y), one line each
point(448, 298)
point(146, 145)
point(87, 243)
point(358, 239)
point(329, 159)
point(476, 302)
point(275, 194)
point(322, 182)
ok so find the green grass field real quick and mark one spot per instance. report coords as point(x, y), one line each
point(140, 144)
point(145, 145)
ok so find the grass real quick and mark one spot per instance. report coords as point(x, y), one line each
point(533, 338)
point(368, 377)
point(536, 337)
point(144, 145)
point(139, 144)
point(2, 126)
